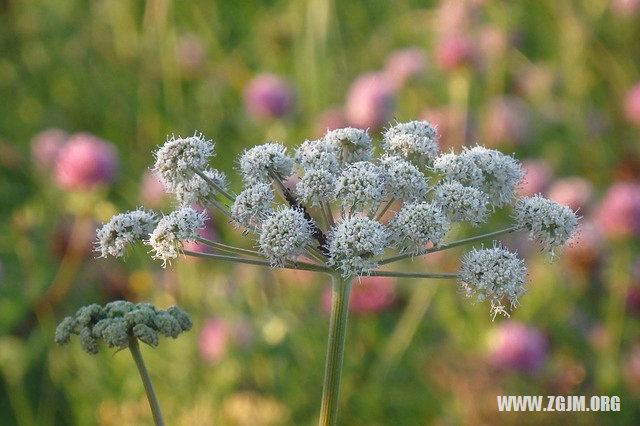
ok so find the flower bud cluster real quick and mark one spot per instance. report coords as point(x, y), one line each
point(172, 230)
point(117, 322)
point(177, 159)
point(415, 140)
point(123, 229)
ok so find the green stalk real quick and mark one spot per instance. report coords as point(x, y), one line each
point(146, 381)
point(340, 292)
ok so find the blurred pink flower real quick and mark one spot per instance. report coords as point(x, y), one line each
point(207, 232)
point(506, 121)
point(85, 162)
point(575, 192)
point(330, 119)
point(632, 369)
point(535, 81)
point(453, 50)
point(404, 64)
point(269, 96)
point(632, 105)
point(213, 340)
point(190, 54)
point(619, 212)
point(453, 14)
point(492, 43)
point(368, 296)
point(518, 347)
point(45, 147)
point(152, 191)
point(625, 7)
point(537, 174)
point(370, 101)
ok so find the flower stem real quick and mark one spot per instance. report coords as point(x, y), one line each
point(214, 185)
point(444, 275)
point(146, 381)
point(229, 249)
point(340, 292)
point(307, 266)
point(450, 245)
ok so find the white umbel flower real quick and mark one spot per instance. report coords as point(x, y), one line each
point(173, 229)
point(252, 205)
point(257, 163)
point(350, 144)
point(361, 183)
point(548, 222)
point(491, 171)
point(417, 224)
point(462, 203)
point(493, 274)
point(284, 235)
point(404, 180)
point(198, 191)
point(123, 229)
point(176, 159)
point(354, 243)
point(319, 155)
point(316, 186)
point(415, 140)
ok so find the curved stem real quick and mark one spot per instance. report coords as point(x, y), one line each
point(340, 292)
point(214, 185)
point(289, 265)
point(445, 275)
point(229, 249)
point(146, 381)
point(450, 245)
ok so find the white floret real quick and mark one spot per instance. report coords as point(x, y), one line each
point(285, 235)
point(415, 140)
point(549, 223)
point(350, 144)
point(172, 230)
point(462, 203)
point(123, 229)
point(316, 186)
point(418, 224)
point(178, 157)
point(361, 183)
point(317, 155)
point(198, 191)
point(493, 274)
point(404, 180)
point(354, 244)
point(258, 163)
point(252, 205)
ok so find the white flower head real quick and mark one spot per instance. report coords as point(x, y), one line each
point(491, 171)
point(417, 224)
point(493, 274)
point(354, 243)
point(198, 191)
point(404, 180)
point(316, 186)
point(178, 226)
point(350, 144)
point(123, 229)
point(462, 203)
point(317, 154)
point(360, 183)
point(253, 204)
point(176, 159)
point(257, 163)
point(284, 235)
point(548, 222)
point(415, 140)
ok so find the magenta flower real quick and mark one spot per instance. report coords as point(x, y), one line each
point(45, 147)
point(404, 64)
point(370, 295)
point(619, 212)
point(269, 96)
point(575, 192)
point(190, 54)
point(212, 341)
point(370, 101)
point(506, 121)
point(330, 119)
point(625, 7)
point(517, 347)
point(452, 51)
point(537, 175)
point(632, 105)
point(85, 162)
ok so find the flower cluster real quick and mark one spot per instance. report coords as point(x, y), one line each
point(117, 322)
point(348, 207)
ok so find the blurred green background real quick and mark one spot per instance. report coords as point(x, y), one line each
point(556, 82)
